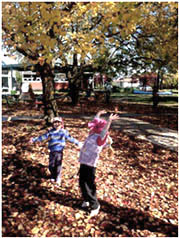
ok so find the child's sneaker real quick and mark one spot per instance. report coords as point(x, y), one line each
point(85, 204)
point(58, 182)
point(95, 212)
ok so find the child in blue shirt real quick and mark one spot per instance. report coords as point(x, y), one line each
point(57, 139)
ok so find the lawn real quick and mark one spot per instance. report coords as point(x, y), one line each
point(165, 100)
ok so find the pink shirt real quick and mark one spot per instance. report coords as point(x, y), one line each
point(90, 151)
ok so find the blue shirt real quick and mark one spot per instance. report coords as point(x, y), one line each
point(57, 139)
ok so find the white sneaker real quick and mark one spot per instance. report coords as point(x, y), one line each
point(95, 212)
point(58, 182)
point(85, 204)
point(52, 180)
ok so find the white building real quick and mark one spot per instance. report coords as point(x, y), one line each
point(8, 74)
point(127, 83)
point(8, 80)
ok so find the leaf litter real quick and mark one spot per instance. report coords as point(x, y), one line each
point(137, 188)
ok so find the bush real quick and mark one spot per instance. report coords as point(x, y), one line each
point(13, 92)
point(116, 89)
point(128, 90)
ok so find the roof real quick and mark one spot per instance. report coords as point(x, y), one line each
point(60, 69)
point(18, 67)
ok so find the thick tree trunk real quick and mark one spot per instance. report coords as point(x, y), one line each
point(50, 104)
point(74, 81)
point(155, 91)
point(74, 93)
point(161, 82)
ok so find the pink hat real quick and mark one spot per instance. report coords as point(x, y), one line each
point(96, 125)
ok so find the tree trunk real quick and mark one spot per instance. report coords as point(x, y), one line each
point(161, 82)
point(50, 104)
point(74, 81)
point(74, 93)
point(155, 91)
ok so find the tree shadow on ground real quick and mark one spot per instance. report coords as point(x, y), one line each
point(23, 193)
point(30, 185)
point(18, 192)
point(135, 219)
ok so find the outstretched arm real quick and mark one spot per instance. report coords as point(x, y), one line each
point(72, 139)
point(112, 117)
point(40, 138)
point(100, 113)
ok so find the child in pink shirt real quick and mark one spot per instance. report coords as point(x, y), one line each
point(89, 155)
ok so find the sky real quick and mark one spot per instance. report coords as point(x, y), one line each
point(8, 60)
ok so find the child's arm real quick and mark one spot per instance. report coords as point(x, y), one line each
point(112, 117)
point(103, 135)
point(100, 113)
point(109, 142)
point(72, 140)
point(39, 138)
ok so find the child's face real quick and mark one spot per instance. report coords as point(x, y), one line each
point(57, 125)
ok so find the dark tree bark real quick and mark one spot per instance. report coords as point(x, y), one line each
point(155, 97)
point(74, 93)
point(50, 104)
point(74, 81)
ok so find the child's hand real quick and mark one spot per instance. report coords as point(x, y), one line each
point(80, 145)
point(31, 140)
point(113, 117)
point(109, 140)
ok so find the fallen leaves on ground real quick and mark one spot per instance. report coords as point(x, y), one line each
point(137, 188)
point(161, 116)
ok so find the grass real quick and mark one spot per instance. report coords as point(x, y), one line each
point(147, 99)
point(137, 98)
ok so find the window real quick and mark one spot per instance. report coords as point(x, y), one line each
point(4, 81)
point(5, 71)
point(27, 75)
point(27, 79)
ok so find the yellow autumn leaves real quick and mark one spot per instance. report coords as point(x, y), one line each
point(81, 28)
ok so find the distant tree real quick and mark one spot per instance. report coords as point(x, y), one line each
point(171, 81)
point(157, 41)
point(151, 48)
